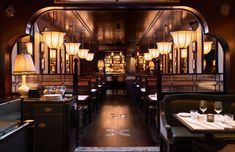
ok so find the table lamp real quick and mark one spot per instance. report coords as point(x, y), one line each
point(24, 65)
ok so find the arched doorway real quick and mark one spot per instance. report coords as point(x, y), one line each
point(173, 63)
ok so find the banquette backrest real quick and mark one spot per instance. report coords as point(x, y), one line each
point(184, 102)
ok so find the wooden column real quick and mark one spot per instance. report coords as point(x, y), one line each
point(75, 77)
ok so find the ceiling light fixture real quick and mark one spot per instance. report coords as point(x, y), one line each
point(53, 39)
point(90, 56)
point(182, 39)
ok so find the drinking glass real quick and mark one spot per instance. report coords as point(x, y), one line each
point(228, 118)
point(203, 106)
point(193, 113)
point(218, 107)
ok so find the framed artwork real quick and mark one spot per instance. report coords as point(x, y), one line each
point(42, 47)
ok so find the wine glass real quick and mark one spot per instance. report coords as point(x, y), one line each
point(203, 106)
point(218, 108)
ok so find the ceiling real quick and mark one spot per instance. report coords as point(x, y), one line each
point(117, 29)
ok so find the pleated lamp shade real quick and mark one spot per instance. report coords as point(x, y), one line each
point(72, 48)
point(182, 39)
point(90, 56)
point(53, 39)
point(24, 64)
point(164, 47)
point(82, 53)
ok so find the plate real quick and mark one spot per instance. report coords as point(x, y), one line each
point(184, 114)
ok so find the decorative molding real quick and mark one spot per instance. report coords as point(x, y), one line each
point(116, 1)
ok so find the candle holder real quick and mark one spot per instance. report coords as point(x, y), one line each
point(210, 117)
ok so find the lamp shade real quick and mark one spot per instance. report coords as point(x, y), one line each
point(100, 64)
point(90, 56)
point(154, 52)
point(207, 47)
point(53, 39)
point(147, 56)
point(82, 53)
point(24, 64)
point(182, 38)
point(72, 48)
point(164, 47)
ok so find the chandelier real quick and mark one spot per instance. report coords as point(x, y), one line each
point(182, 38)
point(164, 47)
point(53, 39)
point(90, 56)
point(154, 52)
point(82, 53)
point(207, 47)
point(72, 48)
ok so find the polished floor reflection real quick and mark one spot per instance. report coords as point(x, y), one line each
point(118, 123)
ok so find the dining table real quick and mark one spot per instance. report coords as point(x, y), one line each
point(200, 125)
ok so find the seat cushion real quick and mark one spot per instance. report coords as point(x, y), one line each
point(181, 134)
point(224, 136)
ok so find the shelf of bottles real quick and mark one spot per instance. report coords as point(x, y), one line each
point(115, 63)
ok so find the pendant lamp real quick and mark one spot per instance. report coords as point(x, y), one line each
point(154, 52)
point(53, 39)
point(82, 53)
point(164, 47)
point(90, 56)
point(182, 38)
point(72, 48)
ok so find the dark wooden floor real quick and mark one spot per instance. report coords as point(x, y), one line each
point(118, 123)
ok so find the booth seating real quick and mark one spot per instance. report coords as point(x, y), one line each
point(15, 134)
point(102, 85)
point(84, 88)
point(141, 90)
point(151, 107)
point(175, 137)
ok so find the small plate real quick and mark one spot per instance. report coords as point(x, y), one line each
point(184, 114)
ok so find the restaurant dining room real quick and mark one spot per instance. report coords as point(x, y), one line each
point(117, 75)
